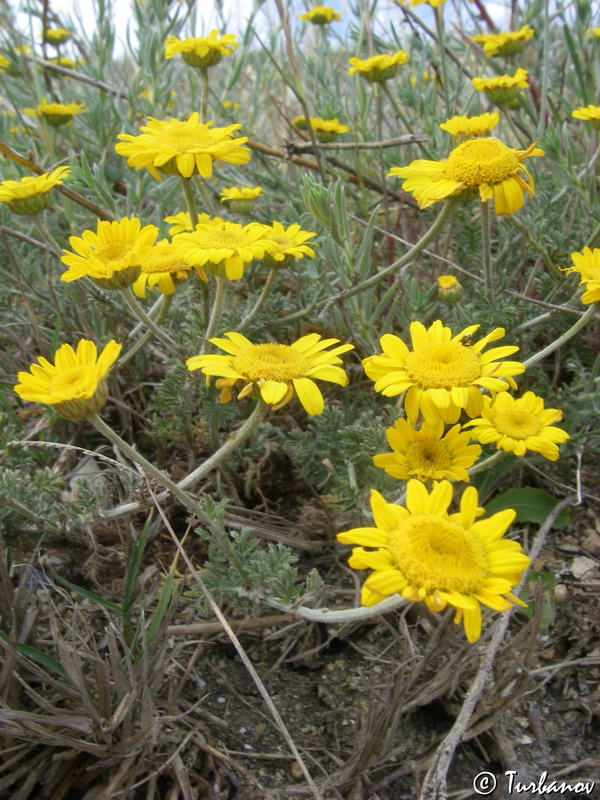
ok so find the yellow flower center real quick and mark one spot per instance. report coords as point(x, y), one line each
point(426, 458)
point(215, 238)
point(271, 362)
point(184, 139)
point(73, 380)
point(433, 553)
point(518, 423)
point(480, 161)
point(442, 365)
point(164, 261)
point(112, 251)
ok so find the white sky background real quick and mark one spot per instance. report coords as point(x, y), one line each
point(236, 12)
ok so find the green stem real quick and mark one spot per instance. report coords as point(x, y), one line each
point(545, 71)
point(217, 310)
point(139, 312)
point(190, 200)
point(486, 247)
point(574, 329)
point(203, 93)
point(439, 25)
point(401, 262)
point(402, 117)
point(153, 471)
point(231, 444)
point(163, 308)
point(260, 302)
point(487, 462)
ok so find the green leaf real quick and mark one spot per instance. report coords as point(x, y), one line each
point(531, 505)
point(87, 594)
point(37, 655)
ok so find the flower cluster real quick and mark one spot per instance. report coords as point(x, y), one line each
point(504, 44)
point(30, 195)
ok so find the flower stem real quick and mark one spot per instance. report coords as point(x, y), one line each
point(439, 24)
point(203, 93)
point(581, 323)
point(153, 471)
point(206, 198)
point(190, 200)
point(231, 444)
point(165, 301)
point(403, 119)
point(486, 247)
point(217, 310)
point(259, 303)
point(401, 262)
point(487, 462)
point(139, 312)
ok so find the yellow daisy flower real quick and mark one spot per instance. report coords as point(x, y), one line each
point(589, 114)
point(518, 425)
point(450, 289)
point(5, 63)
point(185, 148)
point(163, 267)
point(223, 248)
point(378, 68)
point(112, 255)
point(326, 130)
point(502, 89)
point(63, 61)
point(587, 264)
point(320, 15)
point(277, 371)
point(56, 36)
point(180, 223)
point(442, 374)
point(484, 164)
point(57, 114)
point(30, 195)
point(75, 383)
point(467, 127)
point(286, 244)
point(425, 554)
point(240, 199)
point(504, 44)
point(203, 51)
point(428, 453)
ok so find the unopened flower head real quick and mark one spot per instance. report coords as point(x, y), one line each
point(426, 554)
point(589, 114)
point(442, 374)
point(504, 44)
point(496, 172)
point(223, 248)
point(286, 244)
point(502, 89)
point(165, 268)
point(30, 195)
point(450, 289)
point(112, 255)
point(377, 69)
point(56, 36)
point(519, 425)
point(587, 264)
point(428, 453)
point(57, 114)
point(320, 15)
point(325, 130)
point(468, 127)
point(203, 51)
point(75, 384)
point(185, 148)
point(275, 371)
